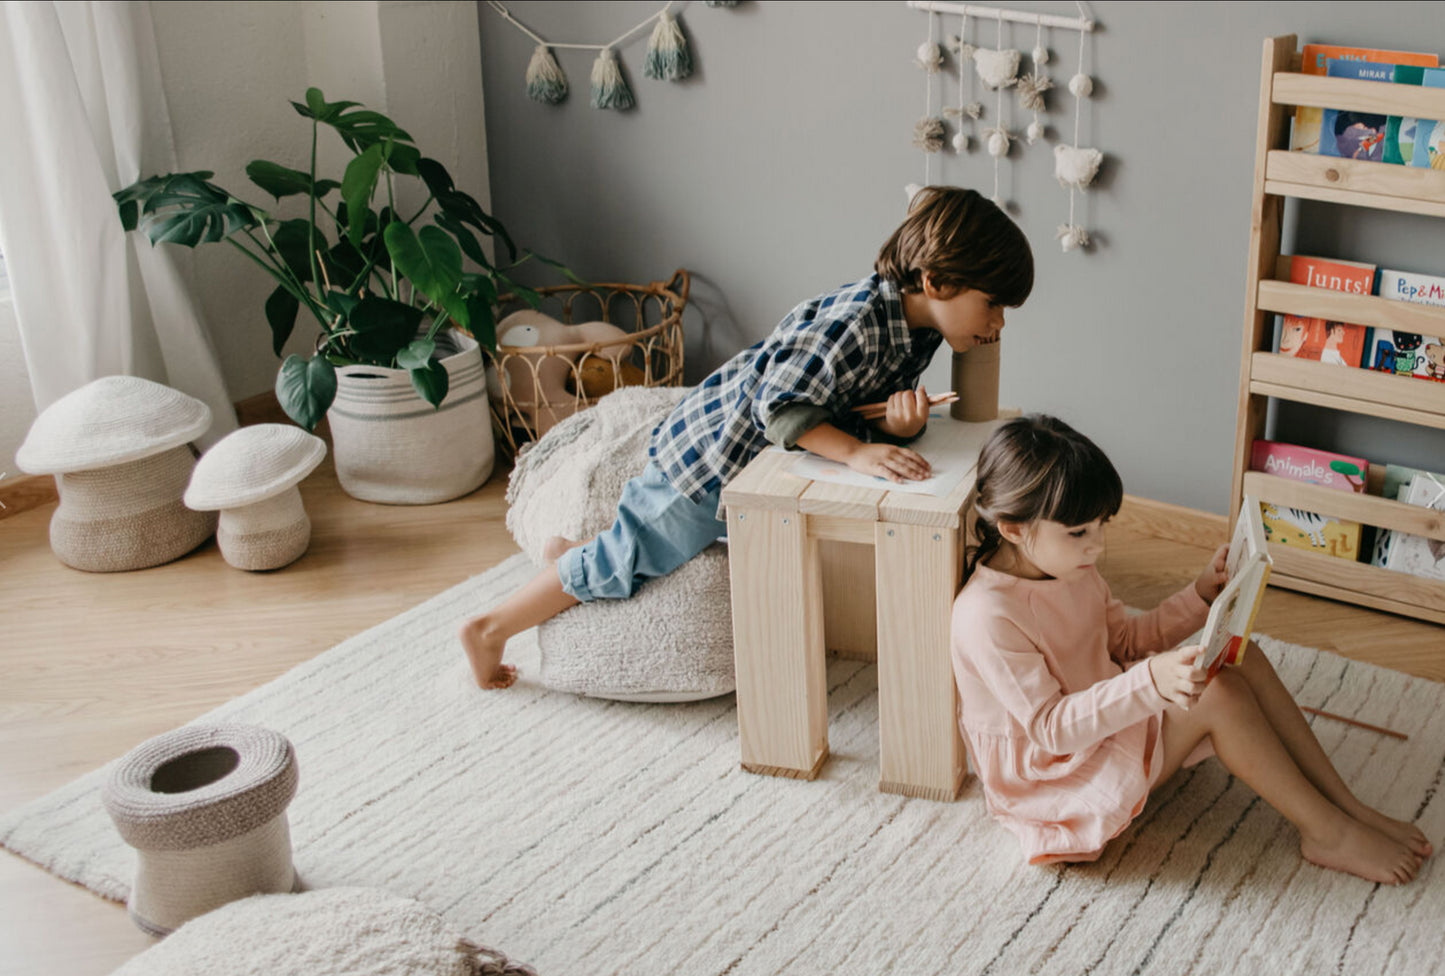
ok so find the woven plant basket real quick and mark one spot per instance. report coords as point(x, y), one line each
point(651, 355)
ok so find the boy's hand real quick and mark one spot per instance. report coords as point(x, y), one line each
point(1213, 577)
point(1176, 678)
point(907, 413)
point(889, 461)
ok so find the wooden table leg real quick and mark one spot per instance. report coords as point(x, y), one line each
point(777, 599)
point(920, 746)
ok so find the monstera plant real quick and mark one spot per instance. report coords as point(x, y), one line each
point(380, 278)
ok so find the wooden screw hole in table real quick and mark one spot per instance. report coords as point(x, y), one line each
point(862, 572)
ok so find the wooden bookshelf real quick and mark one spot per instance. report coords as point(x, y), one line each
point(1264, 374)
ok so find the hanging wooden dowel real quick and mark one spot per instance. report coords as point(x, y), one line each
point(997, 13)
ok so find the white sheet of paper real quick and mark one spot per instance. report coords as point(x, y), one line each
point(951, 447)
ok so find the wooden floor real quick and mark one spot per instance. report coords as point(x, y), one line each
point(91, 665)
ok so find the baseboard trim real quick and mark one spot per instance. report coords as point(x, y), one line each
point(32, 491)
point(1173, 522)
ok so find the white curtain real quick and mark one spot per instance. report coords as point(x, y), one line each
point(83, 113)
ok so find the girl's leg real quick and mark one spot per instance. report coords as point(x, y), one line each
point(1251, 749)
point(485, 637)
point(1299, 739)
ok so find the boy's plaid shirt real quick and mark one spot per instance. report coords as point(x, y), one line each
point(848, 347)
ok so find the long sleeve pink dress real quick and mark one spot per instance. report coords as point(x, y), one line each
point(1058, 709)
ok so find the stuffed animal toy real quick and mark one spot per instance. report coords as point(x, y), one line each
point(602, 372)
point(544, 389)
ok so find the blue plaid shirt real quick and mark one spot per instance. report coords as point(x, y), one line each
point(846, 348)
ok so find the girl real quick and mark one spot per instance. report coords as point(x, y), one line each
point(1075, 710)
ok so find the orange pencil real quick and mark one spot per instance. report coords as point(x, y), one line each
point(1355, 722)
point(872, 411)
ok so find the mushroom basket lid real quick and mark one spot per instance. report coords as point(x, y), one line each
point(251, 465)
point(109, 421)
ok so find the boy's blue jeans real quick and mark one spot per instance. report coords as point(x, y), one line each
point(656, 531)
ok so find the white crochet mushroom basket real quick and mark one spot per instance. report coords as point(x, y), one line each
point(672, 640)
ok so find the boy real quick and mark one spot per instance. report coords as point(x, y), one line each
point(945, 275)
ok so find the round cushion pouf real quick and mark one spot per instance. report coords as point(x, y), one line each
point(332, 932)
point(119, 448)
point(672, 640)
point(204, 807)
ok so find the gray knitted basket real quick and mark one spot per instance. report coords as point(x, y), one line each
point(205, 809)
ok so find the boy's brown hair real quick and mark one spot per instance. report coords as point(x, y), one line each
point(965, 241)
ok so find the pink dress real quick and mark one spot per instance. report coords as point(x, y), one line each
point(1057, 706)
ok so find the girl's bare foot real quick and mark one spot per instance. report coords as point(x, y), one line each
point(1401, 831)
point(553, 548)
point(1361, 850)
point(484, 651)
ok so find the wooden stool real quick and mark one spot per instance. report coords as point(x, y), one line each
point(860, 571)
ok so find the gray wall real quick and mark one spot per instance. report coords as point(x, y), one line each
point(777, 170)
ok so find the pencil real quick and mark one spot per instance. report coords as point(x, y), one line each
point(872, 411)
point(1350, 721)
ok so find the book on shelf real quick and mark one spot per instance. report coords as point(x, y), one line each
point(1366, 135)
point(1353, 277)
point(1396, 485)
point(1410, 286)
point(1304, 529)
point(1231, 615)
point(1314, 58)
point(1428, 149)
point(1323, 340)
point(1418, 554)
point(1405, 354)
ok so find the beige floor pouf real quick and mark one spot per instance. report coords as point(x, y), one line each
point(250, 477)
point(205, 809)
point(672, 640)
point(119, 448)
point(332, 932)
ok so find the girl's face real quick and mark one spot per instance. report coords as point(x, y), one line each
point(1053, 550)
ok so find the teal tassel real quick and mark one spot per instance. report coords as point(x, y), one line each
point(609, 88)
point(545, 80)
point(667, 54)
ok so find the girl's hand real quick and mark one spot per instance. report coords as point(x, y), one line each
point(1213, 577)
point(1176, 678)
point(907, 413)
point(889, 461)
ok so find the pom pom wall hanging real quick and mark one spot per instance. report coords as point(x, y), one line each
point(1000, 67)
point(667, 59)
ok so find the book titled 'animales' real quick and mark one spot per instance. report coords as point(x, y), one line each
point(1302, 529)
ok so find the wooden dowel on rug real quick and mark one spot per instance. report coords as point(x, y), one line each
point(872, 411)
point(1358, 724)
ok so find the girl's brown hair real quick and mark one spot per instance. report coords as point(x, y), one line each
point(965, 241)
point(1039, 468)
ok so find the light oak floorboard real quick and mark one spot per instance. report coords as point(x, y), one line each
point(94, 664)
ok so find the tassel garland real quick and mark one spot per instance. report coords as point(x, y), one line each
point(545, 80)
point(609, 88)
point(668, 58)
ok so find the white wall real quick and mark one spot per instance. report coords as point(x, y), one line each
point(230, 71)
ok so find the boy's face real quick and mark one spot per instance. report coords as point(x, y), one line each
point(1057, 550)
point(964, 316)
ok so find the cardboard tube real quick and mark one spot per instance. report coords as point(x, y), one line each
point(975, 380)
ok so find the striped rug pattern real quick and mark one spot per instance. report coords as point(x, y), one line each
point(586, 836)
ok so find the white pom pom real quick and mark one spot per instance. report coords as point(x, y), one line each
point(1041, 55)
point(998, 69)
point(1076, 166)
point(911, 190)
point(1035, 131)
point(1081, 85)
point(930, 56)
point(997, 142)
point(1071, 236)
point(960, 142)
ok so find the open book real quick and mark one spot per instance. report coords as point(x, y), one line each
point(1231, 616)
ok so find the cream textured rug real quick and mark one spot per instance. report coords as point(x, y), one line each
point(592, 837)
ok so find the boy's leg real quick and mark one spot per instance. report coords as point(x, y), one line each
point(1250, 748)
point(1294, 732)
point(485, 637)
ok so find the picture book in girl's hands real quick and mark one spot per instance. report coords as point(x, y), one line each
point(1231, 615)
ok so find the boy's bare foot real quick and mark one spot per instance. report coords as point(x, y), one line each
point(1361, 850)
point(484, 652)
point(553, 548)
point(1401, 831)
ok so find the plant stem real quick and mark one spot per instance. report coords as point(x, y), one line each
point(311, 224)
